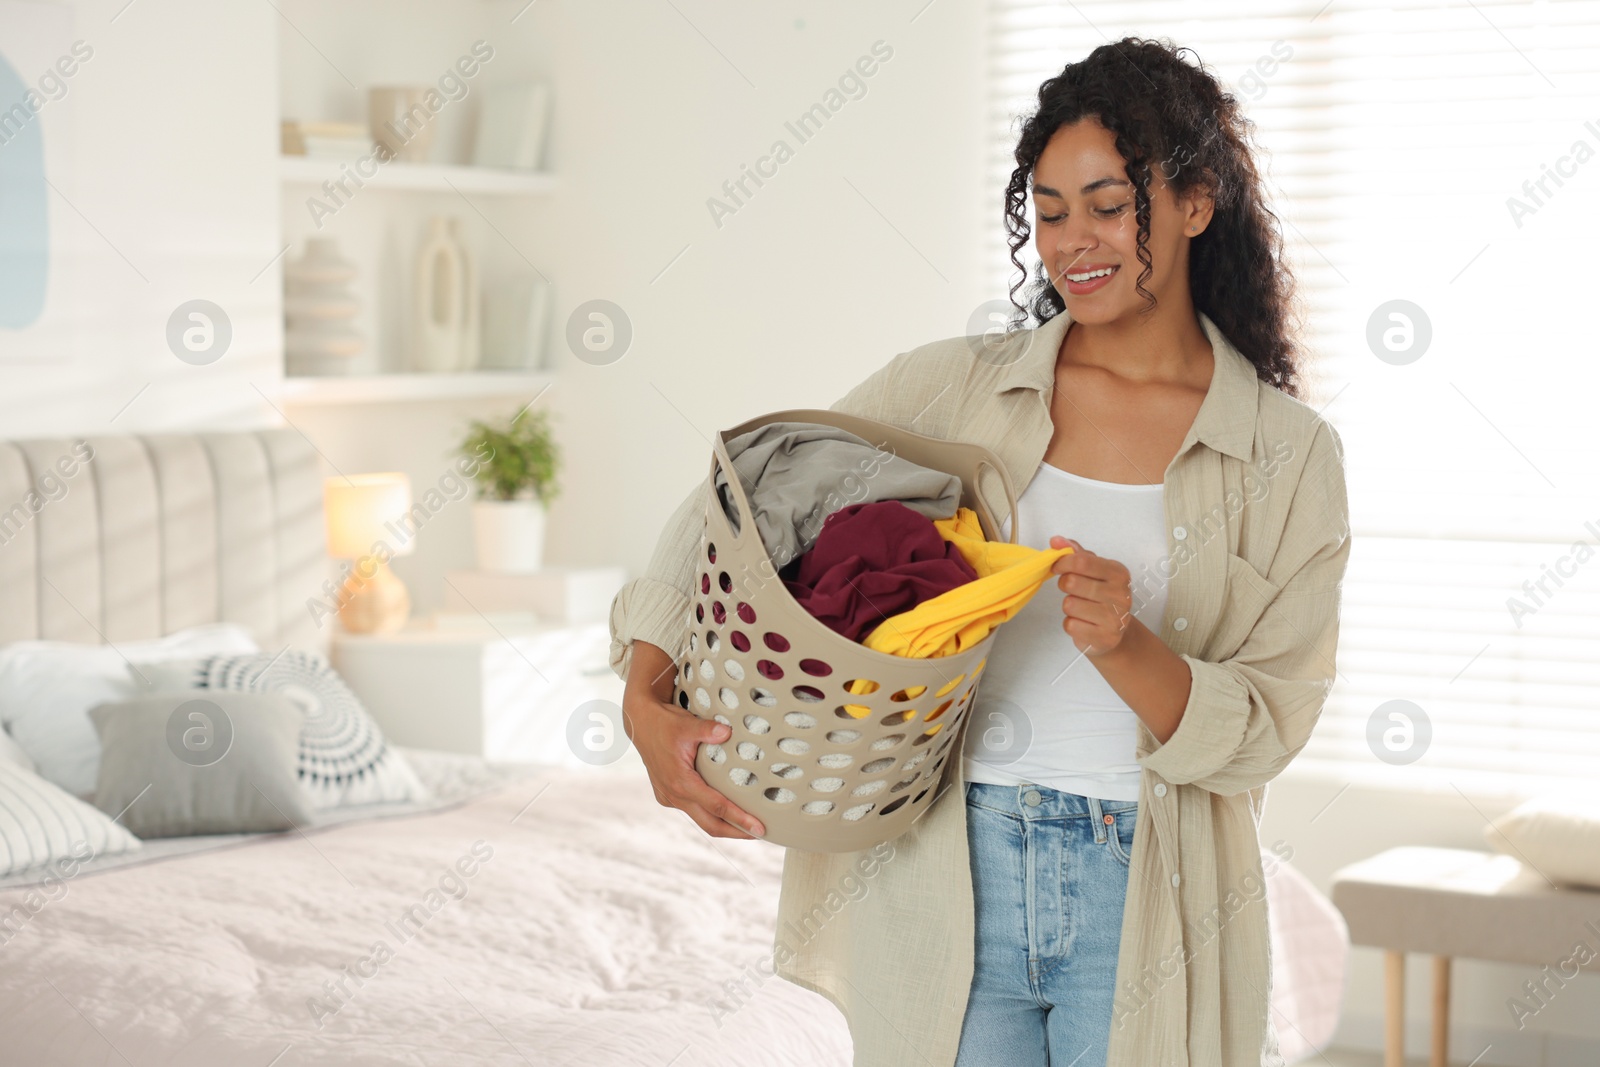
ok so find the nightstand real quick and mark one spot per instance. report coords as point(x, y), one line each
point(511, 693)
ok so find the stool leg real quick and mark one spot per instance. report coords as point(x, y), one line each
point(1441, 1011)
point(1394, 984)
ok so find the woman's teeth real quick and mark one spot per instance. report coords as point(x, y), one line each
point(1091, 275)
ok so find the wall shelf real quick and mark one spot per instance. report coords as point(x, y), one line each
point(387, 388)
point(311, 172)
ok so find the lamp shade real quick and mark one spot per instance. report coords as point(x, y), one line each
point(365, 509)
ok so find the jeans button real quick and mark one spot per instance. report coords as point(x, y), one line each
point(1032, 798)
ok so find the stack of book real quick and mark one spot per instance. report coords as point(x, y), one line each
point(326, 140)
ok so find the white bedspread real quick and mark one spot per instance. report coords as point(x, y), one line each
point(600, 930)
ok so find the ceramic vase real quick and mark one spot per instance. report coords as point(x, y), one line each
point(508, 535)
point(448, 331)
point(471, 353)
point(320, 337)
point(399, 120)
point(440, 300)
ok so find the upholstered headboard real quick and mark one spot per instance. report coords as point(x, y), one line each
point(107, 539)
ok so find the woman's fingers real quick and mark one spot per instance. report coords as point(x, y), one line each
point(1081, 561)
point(712, 825)
point(1101, 616)
point(1116, 595)
point(1099, 601)
point(668, 740)
point(705, 805)
point(1092, 577)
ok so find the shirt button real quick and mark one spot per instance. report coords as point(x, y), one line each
point(1179, 532)
point(1032, 798)
point(1180, 623)
point(1174, 879)
point(1161, 789)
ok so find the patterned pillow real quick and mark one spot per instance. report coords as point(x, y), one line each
point(42, 823)
point(344, 758)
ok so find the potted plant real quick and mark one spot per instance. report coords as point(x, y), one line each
point(516, 465)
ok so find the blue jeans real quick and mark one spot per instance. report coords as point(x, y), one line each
point(1049, 878)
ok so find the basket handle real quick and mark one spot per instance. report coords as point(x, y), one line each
point(985, 515)
point(741, 502)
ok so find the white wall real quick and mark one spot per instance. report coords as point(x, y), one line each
point(168, 195)
point(789, 303)
point(806, 289)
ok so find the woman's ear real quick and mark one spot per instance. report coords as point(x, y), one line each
point(1200, 202)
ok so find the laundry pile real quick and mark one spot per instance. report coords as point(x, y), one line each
point(902, 568)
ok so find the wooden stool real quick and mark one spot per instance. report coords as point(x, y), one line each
point(1452, 902)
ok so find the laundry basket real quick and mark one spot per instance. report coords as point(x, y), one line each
point(826, 766)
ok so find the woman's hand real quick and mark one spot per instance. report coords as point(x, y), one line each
point(1098, 607)
point(1153, 680)
point(668, 739)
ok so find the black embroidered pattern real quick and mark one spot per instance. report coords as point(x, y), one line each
point(340, 744)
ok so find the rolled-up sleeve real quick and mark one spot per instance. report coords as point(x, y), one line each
point(655, 606)
point(1249, 715)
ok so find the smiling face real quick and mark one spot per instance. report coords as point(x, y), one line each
point(1084, 226)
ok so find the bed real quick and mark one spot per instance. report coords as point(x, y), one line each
point(596, 927)
point(569, 945)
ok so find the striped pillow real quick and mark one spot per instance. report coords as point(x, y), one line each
point(42, 823)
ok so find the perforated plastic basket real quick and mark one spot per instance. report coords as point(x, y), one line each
point(826, 765)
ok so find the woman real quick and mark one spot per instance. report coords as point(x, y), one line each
point(1099, 896)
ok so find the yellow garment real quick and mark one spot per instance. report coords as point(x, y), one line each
point(957, 619)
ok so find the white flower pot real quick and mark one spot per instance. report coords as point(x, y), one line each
point(508, 535)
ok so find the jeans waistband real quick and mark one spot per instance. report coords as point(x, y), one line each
point(1028, 801)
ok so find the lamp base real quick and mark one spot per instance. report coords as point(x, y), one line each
point(377, 604)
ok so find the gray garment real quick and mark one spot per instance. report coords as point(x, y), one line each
point(796, 474)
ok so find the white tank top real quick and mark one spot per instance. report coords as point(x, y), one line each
point(1042, 713)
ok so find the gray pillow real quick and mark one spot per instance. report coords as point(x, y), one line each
point(177, 764)
point(344, 757)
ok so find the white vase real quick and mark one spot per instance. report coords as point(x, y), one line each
point(319, 335)
point(469, 354)
point(440, 300)
point(508, 535)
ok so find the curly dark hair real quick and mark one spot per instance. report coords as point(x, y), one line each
point(1164, 110)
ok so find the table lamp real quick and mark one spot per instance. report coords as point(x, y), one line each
point(362, 513)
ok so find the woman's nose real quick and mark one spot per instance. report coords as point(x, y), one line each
point(1076, 239)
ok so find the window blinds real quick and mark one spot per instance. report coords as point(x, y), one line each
point(1448, 157)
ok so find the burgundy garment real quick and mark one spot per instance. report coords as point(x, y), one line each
point(871, 561)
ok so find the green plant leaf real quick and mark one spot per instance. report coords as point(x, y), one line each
point(516, 457)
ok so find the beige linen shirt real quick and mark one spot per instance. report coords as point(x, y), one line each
point(1259, 539)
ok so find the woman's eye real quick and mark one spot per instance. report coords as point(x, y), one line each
point(1103, 212)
